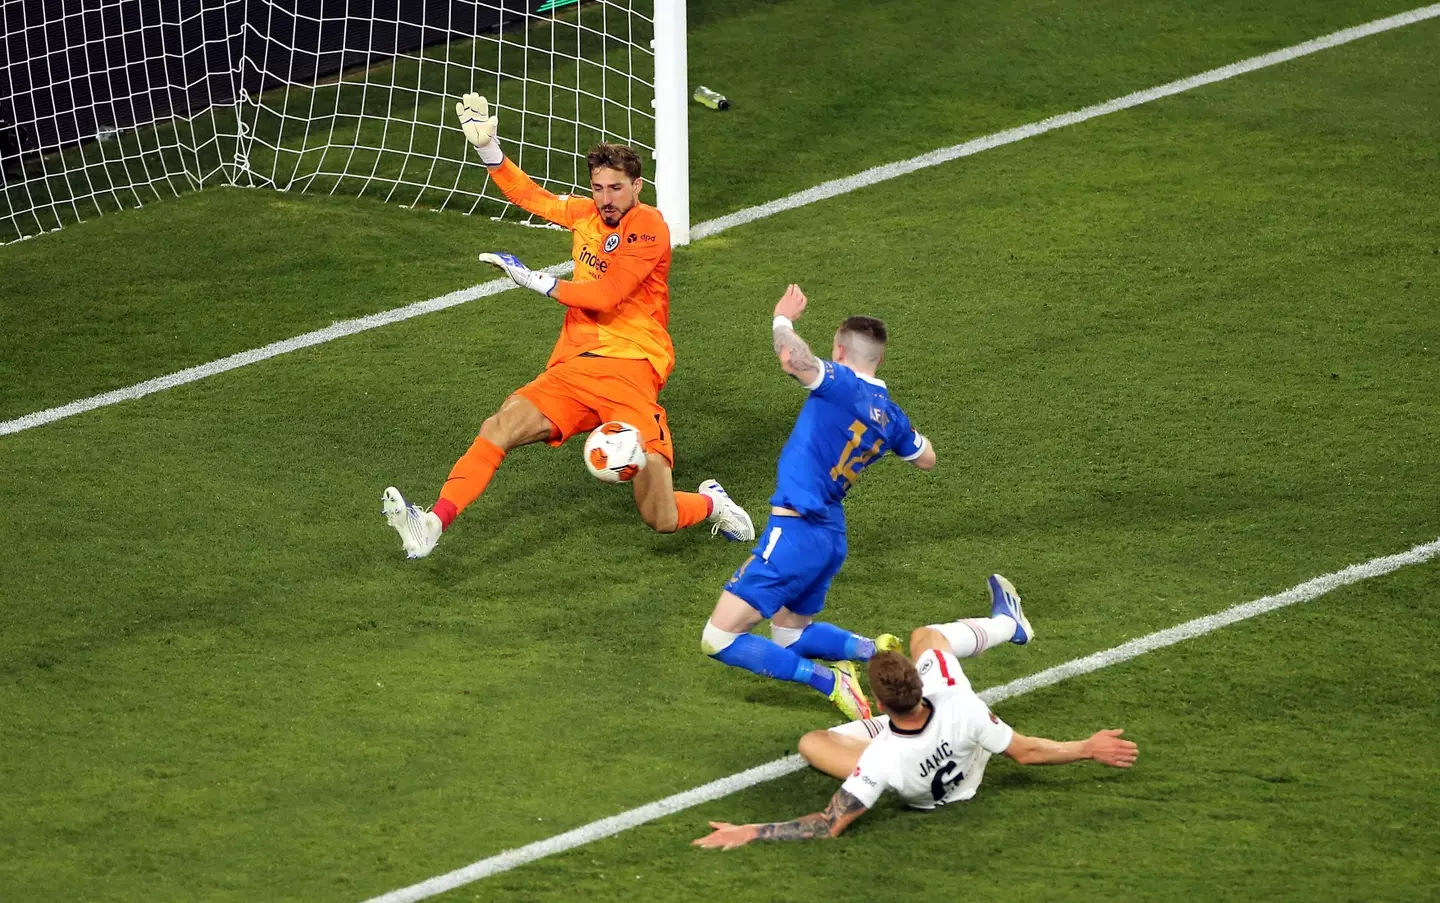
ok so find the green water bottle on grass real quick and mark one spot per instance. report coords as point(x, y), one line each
point(712, 99)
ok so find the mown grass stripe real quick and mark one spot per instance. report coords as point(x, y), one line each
point(715, 226)
point(615, 824)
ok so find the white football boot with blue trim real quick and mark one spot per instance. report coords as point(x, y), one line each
point(729, 519)
point(419, 529)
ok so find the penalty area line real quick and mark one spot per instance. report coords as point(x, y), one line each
point(820, 192)
point(615, 824)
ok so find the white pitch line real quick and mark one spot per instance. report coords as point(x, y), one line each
point(715, 226)
point(1310, 589)
point(334, 331)
point(1010, 136)
point(606, 827)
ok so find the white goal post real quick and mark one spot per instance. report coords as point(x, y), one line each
point(113, 104)
point(672, 127)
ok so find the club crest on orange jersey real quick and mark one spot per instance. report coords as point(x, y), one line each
point(612, 241)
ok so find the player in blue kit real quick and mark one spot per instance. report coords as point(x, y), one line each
point(847, 424)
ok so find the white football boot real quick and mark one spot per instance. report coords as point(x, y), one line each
point(728, 518)
point(419, 530)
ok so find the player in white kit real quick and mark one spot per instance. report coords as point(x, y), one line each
point(932, 748)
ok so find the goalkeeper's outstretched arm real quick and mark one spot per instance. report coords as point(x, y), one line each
point(629, 267)
point(796, 358)
point(479, 127)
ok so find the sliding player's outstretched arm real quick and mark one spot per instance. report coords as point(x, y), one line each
point(796, 358)
point(1104, 747)
point(844, 808)
point(479, 127)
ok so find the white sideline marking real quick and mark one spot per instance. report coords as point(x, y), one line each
point(606, 827)
point(1010, 136)
point(712, 227)
point(334, 331)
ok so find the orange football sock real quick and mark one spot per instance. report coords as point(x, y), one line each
point(468, 478)
point(692, 507)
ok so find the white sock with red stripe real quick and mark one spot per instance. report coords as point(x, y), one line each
point(971, 636)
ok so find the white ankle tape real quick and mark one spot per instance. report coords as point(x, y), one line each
point(715, 640)
point(785, 636)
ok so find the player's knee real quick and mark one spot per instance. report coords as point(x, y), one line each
point(809, 746)
point(518, 422)
point(921, 638)
point(714, 641)
point(495, 430)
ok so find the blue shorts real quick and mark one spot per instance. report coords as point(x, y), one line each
point(791, 567)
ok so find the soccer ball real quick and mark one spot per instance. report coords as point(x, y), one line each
point(614, 453)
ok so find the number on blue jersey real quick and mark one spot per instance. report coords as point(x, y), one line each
point(852, 460)
point(847, 424)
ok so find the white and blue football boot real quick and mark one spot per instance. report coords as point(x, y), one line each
point(419, 529)
point(728, 518)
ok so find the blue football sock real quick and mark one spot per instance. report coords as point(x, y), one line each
point(833, 644)
point(769, 659)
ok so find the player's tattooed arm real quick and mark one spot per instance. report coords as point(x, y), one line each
point(795, 356)
point(844, 808)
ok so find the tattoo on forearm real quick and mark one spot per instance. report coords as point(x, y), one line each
point(806, 828)
point(819, 824)
point(803, 363)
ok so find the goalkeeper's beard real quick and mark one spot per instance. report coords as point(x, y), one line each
point(612, 214)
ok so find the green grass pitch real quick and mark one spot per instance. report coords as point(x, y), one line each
point(1172, 359)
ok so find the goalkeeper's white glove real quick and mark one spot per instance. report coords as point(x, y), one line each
point(522, 275)
point(479, 128)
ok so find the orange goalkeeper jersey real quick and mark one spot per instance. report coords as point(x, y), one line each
point(619, 300)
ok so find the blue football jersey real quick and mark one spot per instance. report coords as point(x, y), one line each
point(846, 424)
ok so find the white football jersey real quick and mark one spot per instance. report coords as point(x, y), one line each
point(944, 760)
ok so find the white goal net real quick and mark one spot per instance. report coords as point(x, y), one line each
point(114, 104)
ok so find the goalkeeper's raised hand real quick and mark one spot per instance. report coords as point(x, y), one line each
point(522, 275)
point(479, 128)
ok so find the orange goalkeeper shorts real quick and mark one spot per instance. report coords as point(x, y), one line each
point(583, 392)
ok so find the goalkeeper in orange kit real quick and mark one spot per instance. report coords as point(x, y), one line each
point(613, 356)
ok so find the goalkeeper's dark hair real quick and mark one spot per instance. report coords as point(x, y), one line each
point(895, 682)
point(868, 327)
point(615, 156)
